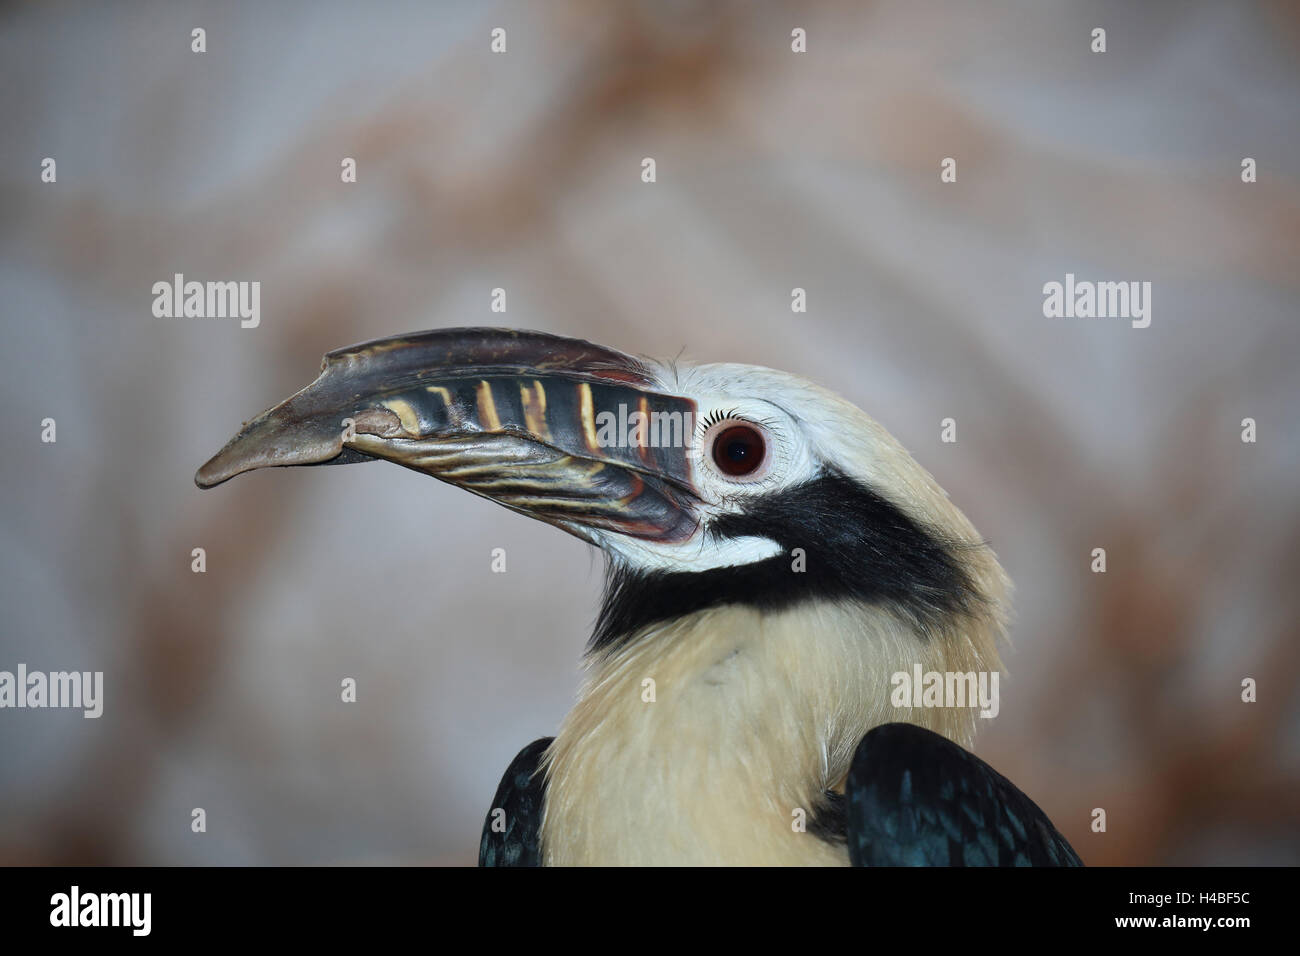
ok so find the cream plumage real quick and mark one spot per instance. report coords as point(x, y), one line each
point(773, 566)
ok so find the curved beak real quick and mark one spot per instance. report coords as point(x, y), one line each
point(568, 432)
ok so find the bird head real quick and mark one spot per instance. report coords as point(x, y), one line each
point(706, 486)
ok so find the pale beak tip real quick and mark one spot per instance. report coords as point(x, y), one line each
point(274, 439)
point(234, 459)
point(211, 474)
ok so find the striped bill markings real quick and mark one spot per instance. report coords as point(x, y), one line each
point(567, 431)
point(606, 455)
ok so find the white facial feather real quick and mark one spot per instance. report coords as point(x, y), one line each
point(807, 429)
point(757, 714)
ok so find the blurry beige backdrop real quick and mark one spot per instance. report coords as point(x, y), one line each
point(775, 170)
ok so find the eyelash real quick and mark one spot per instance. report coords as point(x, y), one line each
point(715, 416)
point(718, 415)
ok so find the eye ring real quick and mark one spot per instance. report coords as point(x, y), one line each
point(738, 449)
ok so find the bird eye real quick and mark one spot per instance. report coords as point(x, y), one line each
point(739, 450)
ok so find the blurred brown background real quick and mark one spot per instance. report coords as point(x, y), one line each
point(775, 170)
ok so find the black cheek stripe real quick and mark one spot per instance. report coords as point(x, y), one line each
point(857, 546)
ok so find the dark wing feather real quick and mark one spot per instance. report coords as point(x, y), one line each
point(522, 795)
point(915, 798)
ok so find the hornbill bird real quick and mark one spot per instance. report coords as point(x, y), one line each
point(774, 557)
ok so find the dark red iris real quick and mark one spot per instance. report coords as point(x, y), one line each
point(739, 450)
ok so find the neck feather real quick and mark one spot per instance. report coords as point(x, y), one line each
point(699, 740)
